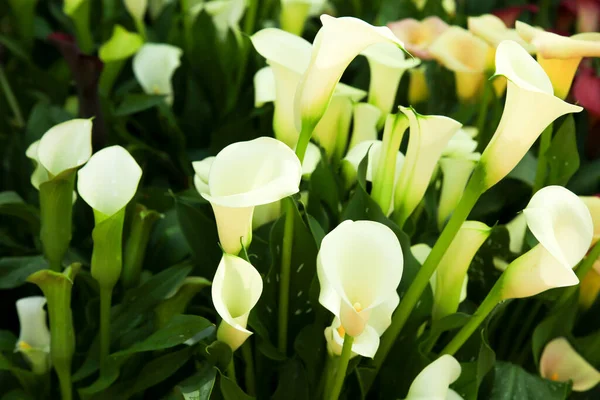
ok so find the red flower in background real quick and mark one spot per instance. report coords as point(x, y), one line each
point(509, 15)
point(585, 12)
point(586, 90)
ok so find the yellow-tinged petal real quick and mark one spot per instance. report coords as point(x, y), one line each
point(435, 379)
point(560, 362)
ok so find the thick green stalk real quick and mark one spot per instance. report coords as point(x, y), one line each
point(581, 271)
point(231, 370)
point(284, 275)
point(105, 300)
point(542, 165)
point(249, 369)
point(421, 281)
point(250, 19)
point(110, 73)
point(491, 300)
point(303, 140)
point(11, 99)
point(142, 222)
point(81, 20)
point(342, 368)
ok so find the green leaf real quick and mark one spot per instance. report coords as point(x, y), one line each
point(13, 205)
point(200, 385)
point(525, 170)
point(512, 382)
point(134, 103)
point(7, 341)
point(15, 270)
point(562, 155)
point(231, 391)
point(311, 349)
point(589, 347)
point(293, 382)
point(218, 354)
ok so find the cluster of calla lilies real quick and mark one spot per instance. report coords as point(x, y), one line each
point(360, 263)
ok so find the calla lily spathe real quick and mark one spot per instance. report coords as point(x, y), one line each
point(359, 267)
point(364, 127)
point(333, 129)
point(245, 175)
point(365, 344)
point(562, 224)
point(456, 172)
point(136, 8)
point(264, 87)
point(121, 45)
point(236, 288)
point(493, 30)
point(466, 55)
point(417, 36)
point(374, 148)
point(593, 205)
point(418, 91)
point(560, 362)
point(560, 56)
point(226, 15)
point(294, 14)
point(387, 65)
point(109, 180)
point(529, 108)
point(429, 135)
point(155, 80)
point(34, 336)
point(337, 43)
point(517, 228)
point(435, 379)
point(461, 144)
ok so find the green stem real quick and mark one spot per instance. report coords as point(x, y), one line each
point(66, 391)
point(81, 20)
point(581, 272)
point(284, 275)
point(249, 370)
point(303, 140)
point(11, 99)
point(342, 368)
point(421, 281)
point(231, 370)
point(540, 174)
point(105, 300)
point(326, 377)
point(141, 28)
point(490, 301)
point(250, 19)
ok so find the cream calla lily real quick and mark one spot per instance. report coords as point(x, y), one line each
point(435, 379)
point(337, 43)
point(593, 204)
point(560, 362)
point(466, 55)
point(461, 144)
point(201, 174)
point(245, 175)
point(374, 148)
point(365, 344)
point(417, 36)
point(493, 30)
point(429, 135)
point(294, 14)
point(334, 127)
point(359, 267)
point(560, 56)
point(387, 65)
point(40, 174)
point(226, 14)
point(264, 87)
point(311, 160)
point(34, 336)
point(562, 224)
point(517, 228)
point(109, 180)
point(456, 172)
point(152, 79)
point(136, 8)
point(236, 288)
point(530, 107)
point(364, 126)
point(451, 272)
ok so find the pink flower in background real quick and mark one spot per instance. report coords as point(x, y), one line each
point(586, 91)
point(418, 35)
point(509, 15)
point(586, 13)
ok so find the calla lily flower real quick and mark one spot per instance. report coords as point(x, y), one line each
point(226, 14)
point(40, 174)
point(429, 135)
point(451, 272)
point(387, 65)
point(109, 180)
point(365, 344)
point(418, 92)
point(435, 379)
point(562, 224)
point(374, 148)
point(294, 14)
point(34, 337)
point(236, 288)
point(456, 171)
point(136, 8)
point(121, 45)
point(364, 125)
point(560, 56)
point(593, 205)
point(466, 55)
point(157, 80)
point(560, 362)
point(334, 127)
point(359, 267)
point(461, 144)
point(589, 287)
point(245, 175)
point(517, 228)
point(264, 87)
point(529, 108)
point(418, 35)
point(337, 43)
point(492, 29)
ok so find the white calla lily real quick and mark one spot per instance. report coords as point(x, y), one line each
point(40, 174)
point(337, 43)
point(236, 288)
point(201, 174)
point(593, 205)
point(294, 14)
point(387, 65)
point(333, 129)
point(365, 344)
point(456, 172)
point(359, 267)
point(449, 288)
point(374, 148)
point(311, 160)
point(461, 144)
point(155, 80)
point(429, 135)
point(136, 8)
point(530, 107)
point(466, 55)
point(364, 126)
point(226, 14)
point(264, 87)
point(245, 175)
point(109, 180)
point(560, 362)
point(34, 336)
point(517, 228)
point(435, 379)
point(493, 30)
point(562, 224)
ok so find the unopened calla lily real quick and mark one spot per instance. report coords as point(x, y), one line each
point(359, 267)
point(236, 288)
point(245, 175)
point(154, 80)
point(435, 379)
point(561, 362)
point(34, 336)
